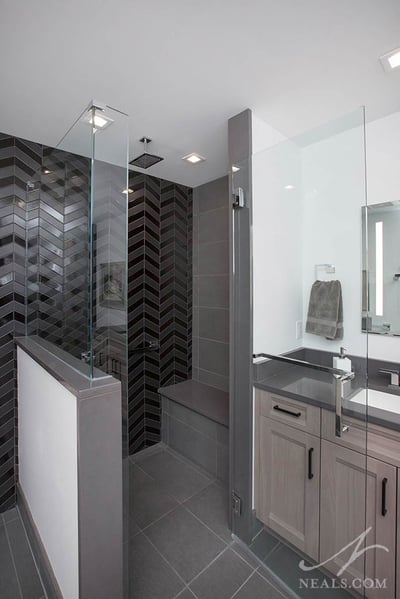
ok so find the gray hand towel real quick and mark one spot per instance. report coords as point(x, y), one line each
point(325, 310)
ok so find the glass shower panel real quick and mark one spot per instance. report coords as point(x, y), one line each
point(57, 252)
point(76, 248)
point(101, 135)
point(309, 404)
point(76, 256)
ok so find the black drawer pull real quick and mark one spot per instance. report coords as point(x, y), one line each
point(384, 486)
point(310, 468)
point(295, 414)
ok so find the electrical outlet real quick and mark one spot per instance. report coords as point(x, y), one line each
point(299, 329)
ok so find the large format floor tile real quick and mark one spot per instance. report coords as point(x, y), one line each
point(148, 501)
point(264, 544)
point(176, 477)
point(284, 562)
point(9, 588)
point(211, 506)
point(150, 576)
point(222, 577)
point(257, 588)
point(245, 554)
point(19, 578)
point(27, 574)
point(186, 543)
point(186, 594)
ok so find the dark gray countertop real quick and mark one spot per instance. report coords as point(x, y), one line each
point(66, 369)
point(200, 398)
point(317, 388)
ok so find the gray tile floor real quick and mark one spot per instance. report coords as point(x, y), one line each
point(181, 546)
point(180, 542)
point(19, 578)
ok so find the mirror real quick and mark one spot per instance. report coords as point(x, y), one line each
point(381, 269)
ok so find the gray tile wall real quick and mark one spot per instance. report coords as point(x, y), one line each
point(201, 440)
point(211, 284)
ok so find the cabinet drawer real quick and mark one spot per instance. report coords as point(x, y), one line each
point(354, 438)
point(289, 411)
point(378, 442)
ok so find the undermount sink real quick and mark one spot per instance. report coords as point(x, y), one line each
point(378, 399)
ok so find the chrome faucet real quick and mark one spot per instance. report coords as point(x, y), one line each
point(394, 375)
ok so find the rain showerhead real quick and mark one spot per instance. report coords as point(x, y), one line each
point(145, 160)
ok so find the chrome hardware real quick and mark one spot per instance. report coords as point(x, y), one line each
point(339, 382)
point(238, 197)
point(394, 375)
point(86, 356)
point(147, 346)
point(296, 362)
point(236, 504)
point(341, 377)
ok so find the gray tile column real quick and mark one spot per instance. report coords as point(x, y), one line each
point(241, 333)
point(211, 284)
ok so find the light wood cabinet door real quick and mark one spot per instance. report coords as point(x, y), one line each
point(287, 483)
point(358, 494)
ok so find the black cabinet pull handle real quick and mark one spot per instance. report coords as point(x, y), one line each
point(384, 487)
point(310, 468)
point(295, 414)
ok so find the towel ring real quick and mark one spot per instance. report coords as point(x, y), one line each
point(328, 269)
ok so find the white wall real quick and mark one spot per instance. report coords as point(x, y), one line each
point(333, 194)
point(317, 222)
point(277, 242)
point(47, 445)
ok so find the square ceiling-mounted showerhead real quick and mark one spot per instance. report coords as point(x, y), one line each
point(145, 160)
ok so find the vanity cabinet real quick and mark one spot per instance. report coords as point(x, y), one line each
point(320, 492)
point(346, 515)
point(287, 484)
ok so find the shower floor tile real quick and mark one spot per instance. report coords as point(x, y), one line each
point(19, 578)
point(187, 549)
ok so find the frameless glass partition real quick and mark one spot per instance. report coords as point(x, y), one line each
point(316, 498)
point(77, 242)
point(76, 255)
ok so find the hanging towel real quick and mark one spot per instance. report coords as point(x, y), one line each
point(325, 310)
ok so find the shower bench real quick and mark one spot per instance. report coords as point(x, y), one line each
point(195, 423)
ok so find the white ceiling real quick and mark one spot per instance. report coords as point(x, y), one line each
point(181, 68)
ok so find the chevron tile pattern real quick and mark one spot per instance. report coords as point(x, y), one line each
point(62, 301)
point(7, 367)
point(44, 281)
point(160, 298)
point(19, 160)
point(47, 227)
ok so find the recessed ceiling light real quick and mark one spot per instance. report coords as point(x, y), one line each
point(126, 191)
point(99, 120)
point(193, 158)
point(391, 60)
point(289, 187)
point(235, 168)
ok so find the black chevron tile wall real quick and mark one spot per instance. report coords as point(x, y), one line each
point(19, 160)
point(44, 284)
point(160, 298)
point(45, 224)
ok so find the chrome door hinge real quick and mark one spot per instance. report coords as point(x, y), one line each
point(236, 504)
point(238, 197)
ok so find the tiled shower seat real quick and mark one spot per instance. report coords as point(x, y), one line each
point(195, 423)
